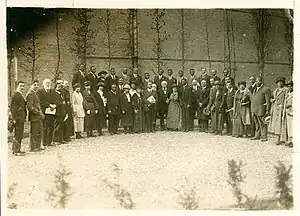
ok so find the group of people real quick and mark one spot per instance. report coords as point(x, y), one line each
point(135, 103)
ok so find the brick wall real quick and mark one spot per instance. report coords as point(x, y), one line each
point(195, 44)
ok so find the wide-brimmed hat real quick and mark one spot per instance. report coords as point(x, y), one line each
point(126, 86)
point(267, 119)
point(206, 111)
point(278, 79)
point(87, 83)
point(76, 85)
point(102, 72)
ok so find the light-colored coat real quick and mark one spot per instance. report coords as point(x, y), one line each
point(77, 102)
point(287, 119)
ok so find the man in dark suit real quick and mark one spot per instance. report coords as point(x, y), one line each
point(101, 80)
point(252, 87)
point(60, 114)
point(121, 85)
point(68, 124)
point(127, 110)
point(216, 105)
point(136, 78)
point(195, 95)
point(180, 78)
point(111, 79)
point(227, 78)
point(92, 78)
point(260, 107)
point(163, 95)
point(90, 107)
point(113, 109)
point(229, 100)
point(185, 99)
point(149, 107)
point(204, 76)
point(47, 101)
point(191, 77)
point(170, 79)
point(203, 102)
point(19, 113)
point(214, 74)
point(146, 81)
point(35, 116)
point(79, 77)
point(252, 83)
point(159, 78)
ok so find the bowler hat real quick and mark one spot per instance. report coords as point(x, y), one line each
point(278, 79)
point(102, 72)
point(87, 83)
point(206, 111)
point(267, 119)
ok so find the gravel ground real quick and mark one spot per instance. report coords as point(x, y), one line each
point(153, 165)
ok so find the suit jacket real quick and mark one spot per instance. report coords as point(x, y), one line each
point(46, 98)
point(113, 103)
point(229, 98)
point(60, 102)
point(89, 102)
point(33, 106)
point(126, 106)
point(78, 78)
point(191, 78)
point(100, 103)
point(179, 81)
point(185, 95)
point(18, 107)
point(162, 105)
point(260, 102)
point(204, 98)
point(145, 83)
point(158, 81)
point(137, 80)
point(147, 104)
point(230, 78)
point(171, 81)
point(93, 80)
point(217, 100)
point(206, 78)
point(252, 88)
point(109, 81)
point(195, 96)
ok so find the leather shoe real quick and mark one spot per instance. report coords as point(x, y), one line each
point(255, 138)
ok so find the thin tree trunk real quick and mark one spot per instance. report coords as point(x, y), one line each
point(182, 39)
point(228, 41)
point(135, 38)
point(85, 42)
point(33, 55)
point(224, 20)
point(207, 39)
point(108, 37)
point(58, 45)
point(233, 45)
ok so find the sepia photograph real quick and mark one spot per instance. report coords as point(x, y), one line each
point(150, 109)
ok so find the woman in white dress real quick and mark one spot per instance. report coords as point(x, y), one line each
point(78, 111)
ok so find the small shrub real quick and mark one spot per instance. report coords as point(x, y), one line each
point(60, 194)
point(236, 178)
point(283, 178)
point(10, 196)
point(120, 193)
point(187, 196)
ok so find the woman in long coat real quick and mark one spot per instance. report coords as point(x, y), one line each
point(287, 121)
point(174, 116)
point(138, 107)
point(101, 107)
point(241, 111)
point(127, 109)
point(78, 111)
point(277, 100)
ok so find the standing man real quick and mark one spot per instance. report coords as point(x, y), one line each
point(191, 77)
point(47, 101)
point(163, 95)
point(90, 107)
point(252, 87)
point(252, 84)
point(101, 79)
point(216, 105)
point(121, 85)
point(35, 116)
point(229, 101)
point(195, 96)
point(159, 78)
point(136, 78)
point(204, 76)
point(113, 109)
point(125, 76)
point(61, 112)
point(260, 107)
point(111, 79)
point(277, 101)
point(214, 75)
point(149, 98)
point(92, 78)
point(203, 102)
point(170, 79)
point(127, 110)
point(181, 77)
point(19, 114)
point(185, 98)
point(146, 81)
point(79, 77)
point(227, 78)
point(68, 124)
